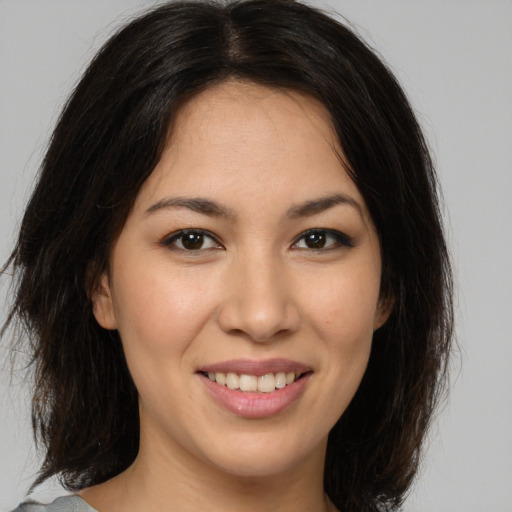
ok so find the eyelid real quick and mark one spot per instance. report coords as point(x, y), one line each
point(168, 240)
point(342, 240)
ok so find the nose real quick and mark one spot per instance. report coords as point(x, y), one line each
point(259, 303)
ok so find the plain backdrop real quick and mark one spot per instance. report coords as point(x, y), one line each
point(454, 58)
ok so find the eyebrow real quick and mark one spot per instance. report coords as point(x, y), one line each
point(213, 209)
point(196, 204)
point(315, 206)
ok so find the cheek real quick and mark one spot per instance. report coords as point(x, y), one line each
point(159, 314)
point(343, 305)
point(343, 311)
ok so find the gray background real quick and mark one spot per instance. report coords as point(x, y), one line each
point(454, 59)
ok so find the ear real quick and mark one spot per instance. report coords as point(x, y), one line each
point(383, 311)
point(102, 303)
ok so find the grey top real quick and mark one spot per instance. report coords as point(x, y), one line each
point(64, 504)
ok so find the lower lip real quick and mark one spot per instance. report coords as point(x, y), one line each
point(256, 405)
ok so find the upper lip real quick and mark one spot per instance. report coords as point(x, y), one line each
point(255, 367)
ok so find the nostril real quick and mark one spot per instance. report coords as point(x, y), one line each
point(260, 337)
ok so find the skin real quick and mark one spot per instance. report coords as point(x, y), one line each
point(254, 289)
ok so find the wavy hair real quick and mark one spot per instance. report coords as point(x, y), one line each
point(106, 143)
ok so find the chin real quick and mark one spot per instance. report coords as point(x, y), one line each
point(266, 456)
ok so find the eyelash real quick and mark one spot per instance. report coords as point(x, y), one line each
point(340, 240)
point(171, 240)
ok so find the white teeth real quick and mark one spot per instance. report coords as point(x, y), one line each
point(232, 381)
point(250, 383)
point(280, 380)
point(267, 383)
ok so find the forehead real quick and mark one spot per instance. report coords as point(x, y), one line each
point(243, 139)
point(251, 106)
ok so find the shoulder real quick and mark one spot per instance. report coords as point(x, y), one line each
point(63, 504)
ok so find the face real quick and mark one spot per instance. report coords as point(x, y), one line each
point(245, 285)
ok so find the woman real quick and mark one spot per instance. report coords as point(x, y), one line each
point(232, 271)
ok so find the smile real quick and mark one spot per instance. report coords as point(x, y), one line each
point(255, 389)
point(267, 383)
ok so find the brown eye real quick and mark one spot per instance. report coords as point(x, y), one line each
point(323, 239)
point(315, 240)
point(192, 240)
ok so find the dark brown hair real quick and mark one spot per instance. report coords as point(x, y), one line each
point(107, 142)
